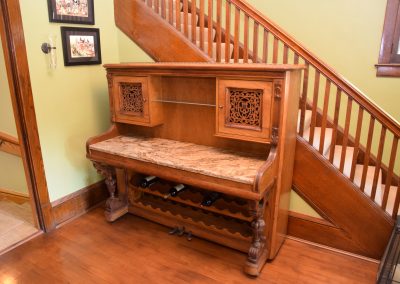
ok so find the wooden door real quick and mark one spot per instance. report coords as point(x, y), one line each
point(244, 109)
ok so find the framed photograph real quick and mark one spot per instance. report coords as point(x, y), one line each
point(71, 11)
point(81, 46)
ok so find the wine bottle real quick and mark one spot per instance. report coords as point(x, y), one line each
point(148, 181)
point(210, 198)
point(174, 191)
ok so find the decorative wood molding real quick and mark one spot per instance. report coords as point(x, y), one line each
point(16, 61)
point(349, 210)
point(75, 204)
point(14, 196)
point(389, 60)
point(9, 144)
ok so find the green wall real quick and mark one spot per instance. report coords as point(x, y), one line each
point(71, 103)
point(12, 174)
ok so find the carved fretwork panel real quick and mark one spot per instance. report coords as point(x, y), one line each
point(131, 98)
point(245, 107)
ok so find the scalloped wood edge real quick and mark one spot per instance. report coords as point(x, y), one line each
point(224, 231)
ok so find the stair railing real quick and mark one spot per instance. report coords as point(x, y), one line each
point(244, 35)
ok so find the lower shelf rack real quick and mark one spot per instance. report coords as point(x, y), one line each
point(206, 224)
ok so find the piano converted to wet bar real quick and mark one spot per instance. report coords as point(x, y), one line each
point(206, 149)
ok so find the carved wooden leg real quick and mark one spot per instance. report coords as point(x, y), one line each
point(258, 252)
point(116, 206)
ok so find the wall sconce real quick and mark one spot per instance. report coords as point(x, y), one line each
point(50, 49)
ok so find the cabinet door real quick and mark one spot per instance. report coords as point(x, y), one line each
point(131, 99)
point(244, 110)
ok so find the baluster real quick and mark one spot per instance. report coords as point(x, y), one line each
point(255, 43)
point(150, 4)
point(389, 176)
point(228, 32)
point(345, 139)
point(265, 47)
point(314, 107)
point(210, 25)
point(202, 24)
point(186, 18)
point(178, 15)
point(396, 202)
point(275, 51)
point(285, 54)
point(296, 58)
point(367, 152)
point(303, 101)
point(219, 30)
point(193, 11)
point(156, 6)
point(378, 162)
point(324, 116)
point(335, 124)
point(246, 40)
point(163, 9)
point(236, 36)
point(171, 11)
point(357, 142)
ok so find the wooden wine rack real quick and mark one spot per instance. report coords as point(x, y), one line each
point(226, 128)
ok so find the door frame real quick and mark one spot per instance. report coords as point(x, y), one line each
point(16, 61)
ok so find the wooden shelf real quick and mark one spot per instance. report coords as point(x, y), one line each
point(193, 198)
point(227, 226)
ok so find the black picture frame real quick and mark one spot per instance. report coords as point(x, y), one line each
point(81, 46)
point(71, 11)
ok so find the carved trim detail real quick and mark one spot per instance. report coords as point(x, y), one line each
point(258, 225)
point(278, 90)
point(274, 135)
point(110, 82)
point(114, 204)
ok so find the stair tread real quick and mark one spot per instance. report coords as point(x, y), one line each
point(391, 199)
point(198, 33)
point(348, 160)
point(214, 55)
point(369, 181)
point(307, 120)
point(240, 60)
point(317, 136)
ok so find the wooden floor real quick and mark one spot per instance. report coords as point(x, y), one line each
point(133, 250)
point(16, 223)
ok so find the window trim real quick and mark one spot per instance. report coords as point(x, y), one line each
point(389, 61)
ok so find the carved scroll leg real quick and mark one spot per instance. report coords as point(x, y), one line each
point(116, 206)
point(258, 252)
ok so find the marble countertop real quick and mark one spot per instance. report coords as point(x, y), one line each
point(210, 161)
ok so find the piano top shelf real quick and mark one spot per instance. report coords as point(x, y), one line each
point(200, 159)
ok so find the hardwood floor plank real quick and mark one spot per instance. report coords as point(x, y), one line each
point(133, 250)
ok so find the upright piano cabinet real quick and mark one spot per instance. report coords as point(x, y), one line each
point(222, 129)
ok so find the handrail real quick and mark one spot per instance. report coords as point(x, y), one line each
point(9, 144)
point(321, 66)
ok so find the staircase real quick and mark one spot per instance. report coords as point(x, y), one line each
point(345, 163)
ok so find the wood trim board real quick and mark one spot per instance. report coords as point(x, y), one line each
point(14, 196)
point(78, 203)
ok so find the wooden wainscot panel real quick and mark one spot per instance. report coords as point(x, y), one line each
point(79, 202)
